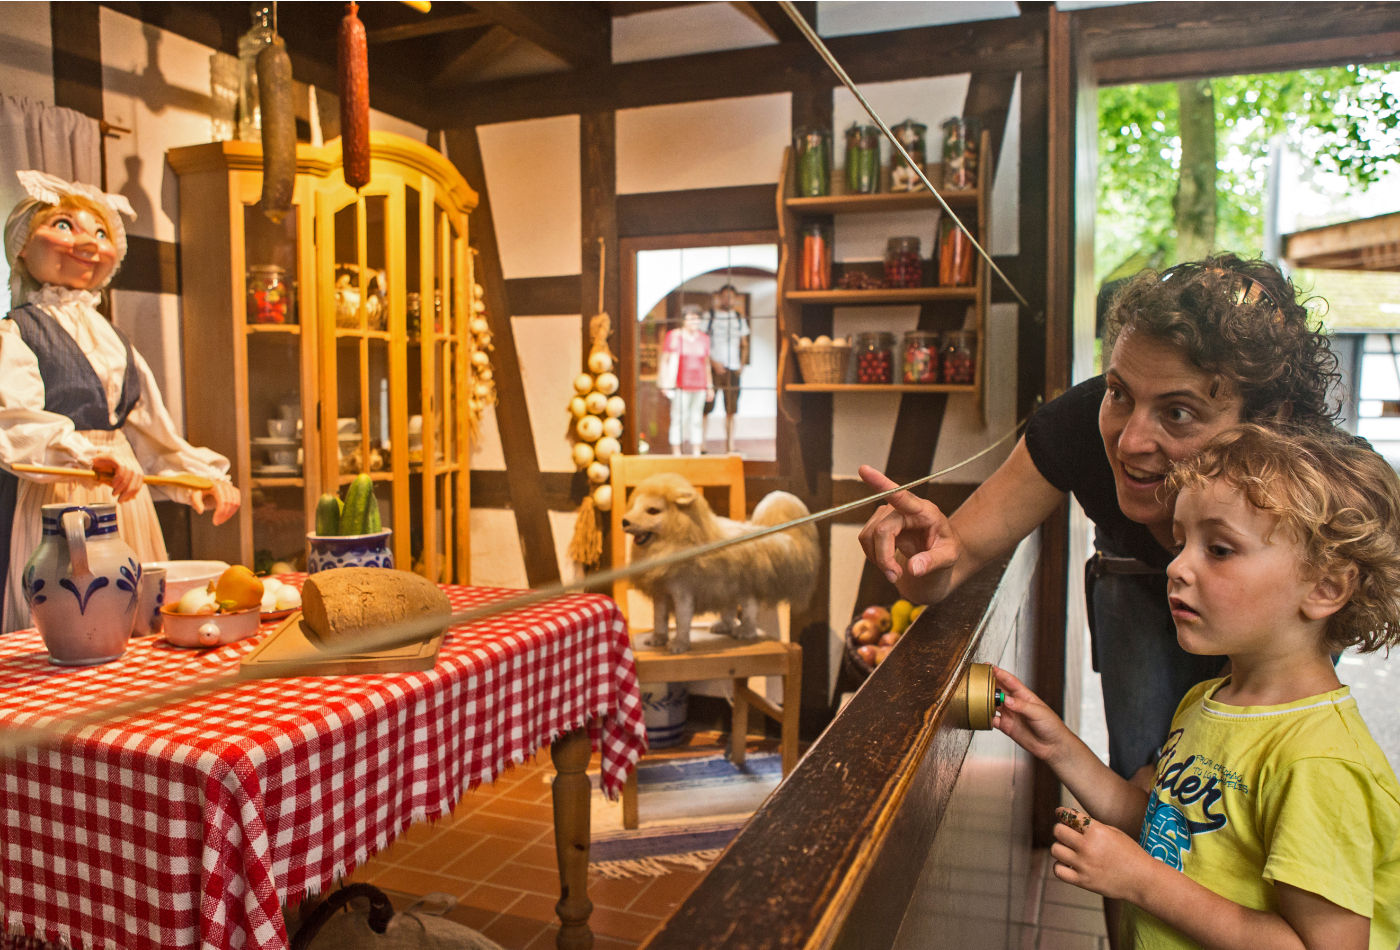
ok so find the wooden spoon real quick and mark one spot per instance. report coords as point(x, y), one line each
point(181, 479)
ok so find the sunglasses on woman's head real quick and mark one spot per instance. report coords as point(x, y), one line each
point(1247, 290)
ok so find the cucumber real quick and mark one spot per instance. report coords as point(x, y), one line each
point(374, 523)
point(355, 518)
point(328, 515)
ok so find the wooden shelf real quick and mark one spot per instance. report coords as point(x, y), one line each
point(884, 295)
point(879, 203)
point(274, 329)
point(881, 388)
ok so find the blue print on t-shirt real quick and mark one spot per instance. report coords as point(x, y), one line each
point(1165, 833)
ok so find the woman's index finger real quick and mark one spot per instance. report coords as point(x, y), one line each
point(901, 500)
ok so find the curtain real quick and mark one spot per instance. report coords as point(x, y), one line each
point(37, 135)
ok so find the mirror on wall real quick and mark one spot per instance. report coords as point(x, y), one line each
point(703, 305)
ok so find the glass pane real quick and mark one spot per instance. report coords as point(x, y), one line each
point(731, 293)
point(270, 254)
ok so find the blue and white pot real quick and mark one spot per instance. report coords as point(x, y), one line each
point(325, 551)
point(664, 710)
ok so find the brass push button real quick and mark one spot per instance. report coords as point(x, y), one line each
point(977, 697)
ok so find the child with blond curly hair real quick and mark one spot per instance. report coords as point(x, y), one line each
point(1273, 818)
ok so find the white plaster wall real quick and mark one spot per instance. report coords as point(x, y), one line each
point(1005, 208)
point(532, 173)
point(847, 562)
point(487, 454)
point(157, 85)
point(679, 31)
point(712, 144)
point(26, 49)
point(555, 349)
point(497, 560)
point(561, 527)
point(152, 321)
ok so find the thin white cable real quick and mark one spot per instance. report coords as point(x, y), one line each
point(51, 729)
point(895, 143)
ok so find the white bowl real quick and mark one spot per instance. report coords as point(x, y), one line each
point(181, 576)
point(281, 428)
point(208, 630)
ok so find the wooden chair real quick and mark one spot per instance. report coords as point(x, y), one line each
point(708, 658)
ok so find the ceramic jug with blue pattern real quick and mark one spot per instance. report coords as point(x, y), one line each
point(82, 584)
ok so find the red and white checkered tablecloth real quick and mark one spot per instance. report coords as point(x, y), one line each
point(191, 825)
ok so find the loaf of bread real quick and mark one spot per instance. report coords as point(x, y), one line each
point(372, 607)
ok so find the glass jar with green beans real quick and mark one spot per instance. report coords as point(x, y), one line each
point(813, 163)
point(862, 159)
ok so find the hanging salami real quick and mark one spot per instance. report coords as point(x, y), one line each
point(279, 131)
point(354, 99)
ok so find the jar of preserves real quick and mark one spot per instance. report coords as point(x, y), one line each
point(921, 356)
point(270, 298)
point(862, 159)
point(813, 163)
point(874, 357)
point(816, 257)
point(959, 363)
point(955, 256)
point(903, 266)
point(960, 143)
point(911, 135)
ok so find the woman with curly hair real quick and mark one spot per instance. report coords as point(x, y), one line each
point(1190, 352)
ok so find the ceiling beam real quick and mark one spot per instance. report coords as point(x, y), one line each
point(773, 20)
point(578, 33)
point(461, 67)
point(444, 24)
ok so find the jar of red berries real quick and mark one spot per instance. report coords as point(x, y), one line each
point(874, 358)
point(903, 266)
point(959, 363)
point(921, 356)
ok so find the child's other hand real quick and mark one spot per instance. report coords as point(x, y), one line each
point(1096, 856)
point(1027, 720)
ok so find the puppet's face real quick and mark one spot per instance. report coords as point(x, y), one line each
point(72, 248)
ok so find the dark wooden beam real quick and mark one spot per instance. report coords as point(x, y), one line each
point(77, 57)
point(878, 57)
point(1181, 39)
point(578, 33)
point(410, 31)
point(473, 55)
point(512, 411)
point(599, 252)
point(736, 208)
point(772, 18)
point(543, 296)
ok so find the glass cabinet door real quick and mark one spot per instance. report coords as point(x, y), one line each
point(282, 464)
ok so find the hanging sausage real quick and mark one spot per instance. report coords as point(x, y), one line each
point(354, 99)
point(279, 132)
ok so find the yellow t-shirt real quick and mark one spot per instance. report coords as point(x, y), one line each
point(1299, 794)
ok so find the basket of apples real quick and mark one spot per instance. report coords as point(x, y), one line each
point(873, 634)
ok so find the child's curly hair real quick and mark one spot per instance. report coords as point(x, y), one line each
point(1239, 320)
point(1334, 494)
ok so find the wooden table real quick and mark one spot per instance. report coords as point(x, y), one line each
point(193, 824)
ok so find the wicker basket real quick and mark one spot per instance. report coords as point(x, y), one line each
point(824, 364)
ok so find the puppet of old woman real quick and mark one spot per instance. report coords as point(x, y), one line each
point(73, 392)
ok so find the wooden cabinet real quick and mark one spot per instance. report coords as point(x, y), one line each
point(804, 312)
point(369, 366)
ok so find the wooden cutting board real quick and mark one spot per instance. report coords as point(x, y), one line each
point(287, 652)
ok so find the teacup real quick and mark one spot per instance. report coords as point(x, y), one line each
point(282, 428)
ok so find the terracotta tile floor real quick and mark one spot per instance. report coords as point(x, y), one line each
point(495, 855)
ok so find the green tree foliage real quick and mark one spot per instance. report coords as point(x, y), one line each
point(1344, 120)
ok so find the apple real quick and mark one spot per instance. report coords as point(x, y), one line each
point(880, 615)
point(867, 654)
point(888, 639)
point(864, 631)
point(881, 653)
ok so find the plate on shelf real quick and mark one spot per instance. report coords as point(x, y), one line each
point(273, 471)
point(270, 442)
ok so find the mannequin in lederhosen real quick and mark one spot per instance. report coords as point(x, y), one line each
point(73, 392)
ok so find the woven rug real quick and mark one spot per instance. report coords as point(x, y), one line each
point(688, 810)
